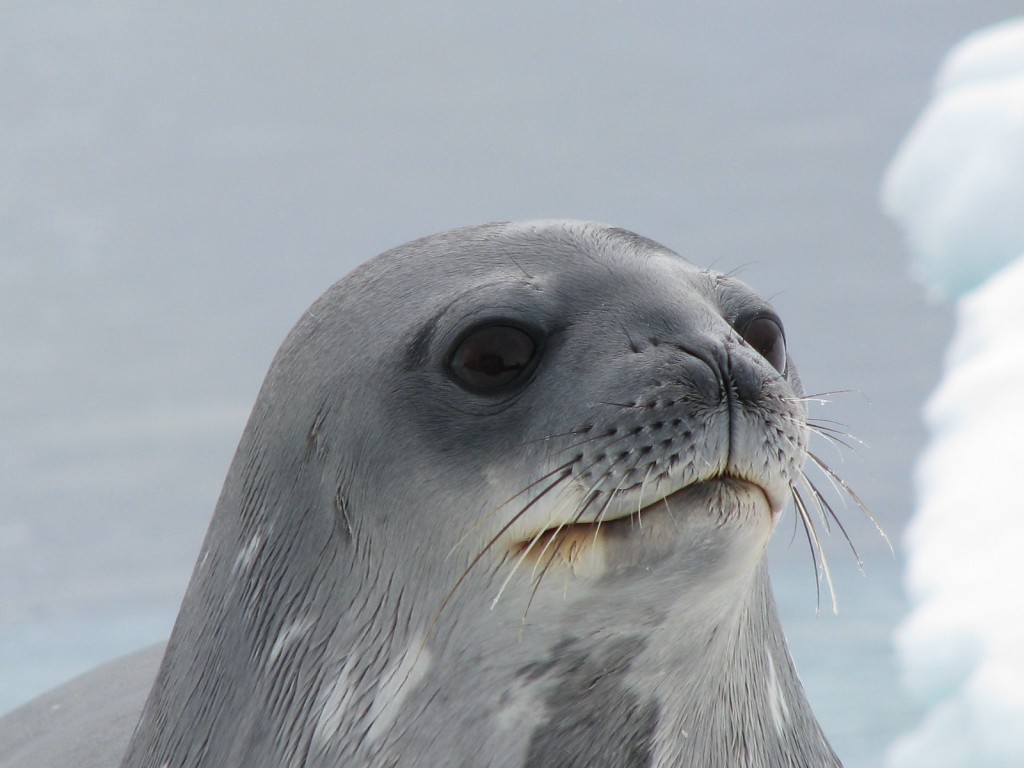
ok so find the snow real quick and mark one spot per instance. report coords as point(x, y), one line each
point(955, 184)
point(957, 188)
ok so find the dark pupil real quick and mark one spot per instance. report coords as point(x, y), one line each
point(490, 364)
point(493, 357)
point(765, 336)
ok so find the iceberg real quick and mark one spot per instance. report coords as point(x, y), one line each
point(956, 187)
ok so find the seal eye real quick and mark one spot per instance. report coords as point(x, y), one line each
point(765, 335)
point(492, 358)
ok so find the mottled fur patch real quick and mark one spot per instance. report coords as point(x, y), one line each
point(594, 719)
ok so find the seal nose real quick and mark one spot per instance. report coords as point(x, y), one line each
point(715, 368)
point(725, 377)
point(744, 379)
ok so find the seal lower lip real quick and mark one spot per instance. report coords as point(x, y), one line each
point(573, 539)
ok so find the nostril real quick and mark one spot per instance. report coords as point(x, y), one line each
point(747, 379)
point(638, 343)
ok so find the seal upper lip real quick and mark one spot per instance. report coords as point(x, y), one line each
point(567, 528)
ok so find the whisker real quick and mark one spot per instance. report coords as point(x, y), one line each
point(623, 405)
point(831, 473)
point(834, 436)
point(604, 508)
point(640, 498)
point(573, 519)
point(519, 561)
point(796, 527)
point(486, 515)
point(589, 497)
point(732, 272)
point(624, 436)
point(833, 428)
point(827, 428)
point(833, 422)
point(826, 393)
point(536, 583)
point(815, 545)
point(538, 578)
point(575, 516)
point(668, 508)
point(494, 539)
point(545, 438)
point(823, 506)
point(617, 488)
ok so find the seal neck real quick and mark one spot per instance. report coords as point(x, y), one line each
point(739, 701)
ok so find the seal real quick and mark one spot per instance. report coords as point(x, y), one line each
point(503, 500)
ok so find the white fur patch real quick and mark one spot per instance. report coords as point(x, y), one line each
point(398, 680)
point(776, 699)
point(523, 707)
point(333, 712)
point(247, 555)
point(288, 636)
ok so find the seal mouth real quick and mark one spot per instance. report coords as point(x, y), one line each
point(570, 541)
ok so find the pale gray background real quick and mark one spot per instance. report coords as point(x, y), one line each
point(178, 181)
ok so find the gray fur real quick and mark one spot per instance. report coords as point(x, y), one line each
point(357, 600)
point(586, 688)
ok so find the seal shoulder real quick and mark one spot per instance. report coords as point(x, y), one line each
point(85, 723)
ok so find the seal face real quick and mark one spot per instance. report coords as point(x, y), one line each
point(503, 500)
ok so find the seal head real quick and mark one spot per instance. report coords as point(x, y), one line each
point(503, 500)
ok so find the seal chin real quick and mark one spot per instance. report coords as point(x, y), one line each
point(716, 501)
